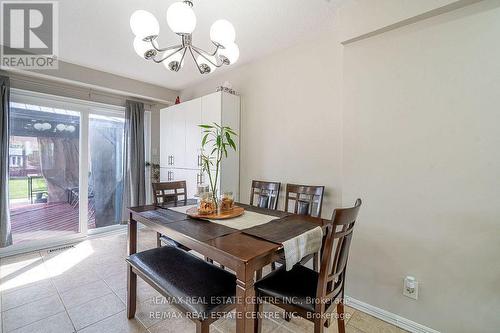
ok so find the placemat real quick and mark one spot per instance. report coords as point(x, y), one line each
point(163, 216)
point(281, 230)
point(201, 230)
point(247, 220)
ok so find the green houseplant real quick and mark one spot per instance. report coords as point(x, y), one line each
point(215, 143)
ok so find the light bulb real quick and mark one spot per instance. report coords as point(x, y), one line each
point(181, 18)
point(222, 32)
point(70, 128)
point(141, 47)
point(205, 65)
point(173, 62)
point(46, 126)
point(231, 52)
point(60, 127)
point(144, 24)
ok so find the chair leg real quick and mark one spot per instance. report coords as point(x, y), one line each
point(158, 240)
point(318, 325)
point(316, 262)
point(340, 316)
point(222, 266)
point(209, 260)
point(273, 266)
point(202, 327)
point(259, 308)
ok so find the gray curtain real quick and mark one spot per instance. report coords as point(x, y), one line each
point(5, 228)
point(134, 192)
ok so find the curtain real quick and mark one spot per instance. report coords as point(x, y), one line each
point(59, 165)
point(134, 192)
point(5, 228)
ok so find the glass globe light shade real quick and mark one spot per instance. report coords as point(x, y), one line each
point(181, 18)
point(173, 62)
point(222, 32)
point(141, 46)
point(46, 126)
point(60, 127)
point(206, 65)
point(70, 128)
point(231, 52)
point(38, 126)
point(144, 24)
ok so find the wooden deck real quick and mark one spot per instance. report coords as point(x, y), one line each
point(39, 221)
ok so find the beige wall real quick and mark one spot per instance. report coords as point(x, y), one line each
point(421, 114)
point(406, 120)
point(290, 118)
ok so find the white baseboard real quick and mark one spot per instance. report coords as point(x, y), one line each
point(387, 316)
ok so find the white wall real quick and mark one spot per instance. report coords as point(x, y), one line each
point(406, 120)
point(421, 138)
point(290, 118)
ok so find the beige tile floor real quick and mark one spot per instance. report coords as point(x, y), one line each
point(82, 289)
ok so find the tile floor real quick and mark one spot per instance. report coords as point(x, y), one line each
point(82, 289)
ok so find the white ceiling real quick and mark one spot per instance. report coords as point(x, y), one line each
point(96, 33)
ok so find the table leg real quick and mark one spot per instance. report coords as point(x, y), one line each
point(245, 295)
point(131, 276)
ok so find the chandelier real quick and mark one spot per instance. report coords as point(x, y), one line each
point(182, 21)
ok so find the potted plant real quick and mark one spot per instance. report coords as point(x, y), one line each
point(215, 143)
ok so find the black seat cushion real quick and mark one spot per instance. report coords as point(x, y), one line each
point(195, 285)
point(297, 286)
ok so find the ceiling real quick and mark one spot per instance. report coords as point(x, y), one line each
point(96, 33)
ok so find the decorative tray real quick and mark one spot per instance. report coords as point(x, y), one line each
point(235, 212)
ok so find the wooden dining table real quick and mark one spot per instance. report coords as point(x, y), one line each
point(242, 253)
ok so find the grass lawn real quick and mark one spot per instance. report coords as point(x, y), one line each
point(18, 187)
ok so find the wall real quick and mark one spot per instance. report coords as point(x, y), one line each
point(283, 97)
point(421, 145)
point(406, 119)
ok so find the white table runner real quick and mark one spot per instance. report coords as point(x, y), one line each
point(247, 220)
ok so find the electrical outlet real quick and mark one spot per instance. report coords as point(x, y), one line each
point(410, 287)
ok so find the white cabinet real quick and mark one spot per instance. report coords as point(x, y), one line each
point(180, 135)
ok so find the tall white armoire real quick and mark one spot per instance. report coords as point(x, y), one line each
point(180, 141)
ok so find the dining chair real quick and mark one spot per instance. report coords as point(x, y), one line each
point(202, 291)
point(264, 194)
point(303, 200)
point(165, 192)
point(310, 294)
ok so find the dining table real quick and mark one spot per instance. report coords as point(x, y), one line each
point(243, 253)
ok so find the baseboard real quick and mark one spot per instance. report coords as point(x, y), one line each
point(387, 316)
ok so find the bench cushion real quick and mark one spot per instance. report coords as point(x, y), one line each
point(196, 285)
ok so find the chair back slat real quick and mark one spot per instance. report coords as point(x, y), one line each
point(335, 253)
point(169, 192)
point(306, 200)
point(265, 194)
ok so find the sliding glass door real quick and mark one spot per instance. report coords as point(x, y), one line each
point(66, 167)
point(106, 139)
point(44, 164)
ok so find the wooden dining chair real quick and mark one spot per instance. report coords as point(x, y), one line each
point(265, 194)
point(304, 199)
point(310, 294)
point(165, 192)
